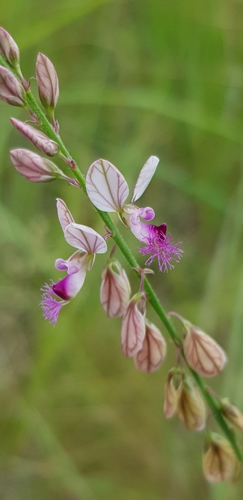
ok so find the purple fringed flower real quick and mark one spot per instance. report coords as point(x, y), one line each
point(159, 245)
point(88, 243)
point(108, 191)
point(49, 305)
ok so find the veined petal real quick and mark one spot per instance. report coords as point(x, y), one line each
point(85, 238)
point(191, 409)
point(219, 460)
point(153, 351)
point(106, 186)
point(202, 353)
point(173, 389)
point(145, 177)
point(115, 290)
point(64, 215)
point(68, 287)
point(133, 326)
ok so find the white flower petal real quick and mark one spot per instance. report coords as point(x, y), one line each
point(106, 186)
point(85, 238)
point(145, 177)
point(64, 215)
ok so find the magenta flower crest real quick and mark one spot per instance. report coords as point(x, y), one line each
point(88, 243)
point(108, 191)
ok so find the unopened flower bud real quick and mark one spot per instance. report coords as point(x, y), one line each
point(173, 388)
point(133, 325)
point(35, 168)
point(11, 90)
point(153, 351)
point(219, 460)
point(115, 289)
point(8, 48)
point(202, 353)
point(47, 81)
point(36, 137)
point(191, 409)
point(232, 413)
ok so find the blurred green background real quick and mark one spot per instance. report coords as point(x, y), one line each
point(137, 77)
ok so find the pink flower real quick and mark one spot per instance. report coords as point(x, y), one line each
point(108, 191)
point(88, 243)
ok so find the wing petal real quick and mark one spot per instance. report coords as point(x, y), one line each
point(106, 186)
point(145, 177)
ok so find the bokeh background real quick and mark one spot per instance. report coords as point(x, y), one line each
point(137, 77)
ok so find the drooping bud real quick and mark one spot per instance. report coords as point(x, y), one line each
point(219, 460)
point(11, 90)
point(232, 413)
point(153, 351)
point(191, 409)
point(35, 168)
point(202, 353)
point(133, 325)
point(8, 48)
point(47, 81)
point(173, 388)
point(36, 137)
point(115, 289)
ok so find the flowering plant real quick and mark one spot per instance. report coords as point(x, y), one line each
point(198, 355)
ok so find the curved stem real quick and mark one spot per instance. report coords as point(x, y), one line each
point(46, 127)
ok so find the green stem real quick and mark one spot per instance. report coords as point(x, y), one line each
point(46, 127)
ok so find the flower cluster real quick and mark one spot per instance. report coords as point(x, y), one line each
point(88, 243)
point(108, 190)
point(198, 355)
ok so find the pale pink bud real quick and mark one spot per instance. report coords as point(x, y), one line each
point(219, 460)
point(35, 168)
point(153, 351)
point(133, 325)
point(115, 289)
point(202, 353)
point(232, 413)
point(191, 409)
point(11, 90)
point(8, 48)
point(173, 388)
point(36, 137)
point(47, 81)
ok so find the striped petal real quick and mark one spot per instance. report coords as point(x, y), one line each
point(64, 215)
point(153, 351)
point(115, 290)
point(202, 353)
point(106, 186)
point(145, 177)
point(85, 238)
point(133, 326)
